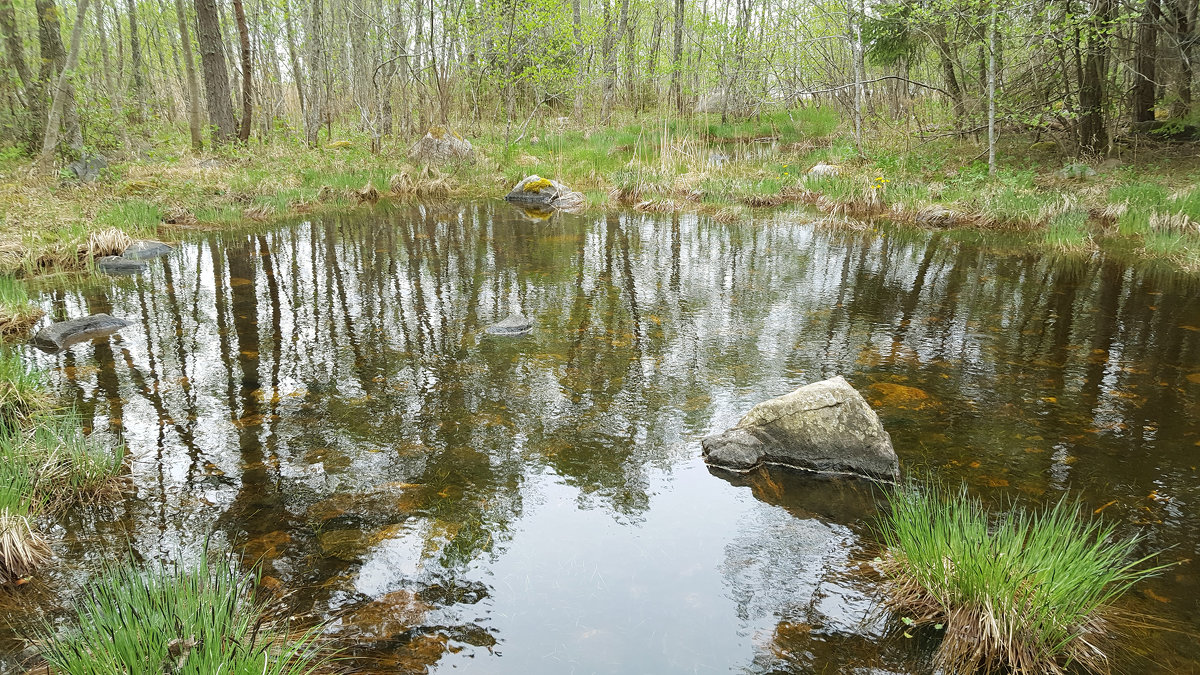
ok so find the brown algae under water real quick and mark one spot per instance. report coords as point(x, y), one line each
point(322, 396)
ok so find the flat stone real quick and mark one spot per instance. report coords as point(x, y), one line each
point(144, 249)
point(825, 427)
point(63, 334)
point(514, 325)
point(115, 264)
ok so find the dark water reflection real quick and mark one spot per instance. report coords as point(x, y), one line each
point(322, 394)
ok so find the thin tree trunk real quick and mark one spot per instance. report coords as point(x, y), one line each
point(135, 51)
point(993, 46)
point(61, 90)
point(239, 14)
point(114, 99)
point(31, 88)
point(1145, 64)
point(216, 77)
point(297, 74)
point(610, 65)
point(1093, 136)
point(189, 62)
point(859, 74)
point(677, 57)
point(312, 118)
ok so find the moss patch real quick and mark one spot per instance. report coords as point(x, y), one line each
point(537, 185)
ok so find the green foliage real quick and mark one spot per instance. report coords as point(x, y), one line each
point(170, 619)
point(1026, 590)
point(888, 35)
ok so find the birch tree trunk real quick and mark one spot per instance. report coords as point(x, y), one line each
point(50, 143)
point(189, 63)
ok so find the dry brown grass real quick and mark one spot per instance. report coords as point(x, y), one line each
point(23, 550)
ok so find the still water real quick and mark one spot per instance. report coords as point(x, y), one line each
point(322, 396)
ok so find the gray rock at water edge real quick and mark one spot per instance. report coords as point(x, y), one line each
point(144, 249)
point(63, 334)
point(545, 193)
point(514, 325)
point(115, 264)
point(825, 427)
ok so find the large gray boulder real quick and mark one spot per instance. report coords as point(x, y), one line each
point(825, 427)
point(535, 191)
point(440, 145)
point(63, 334)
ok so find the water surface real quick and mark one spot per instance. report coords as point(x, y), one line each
point(322, 396)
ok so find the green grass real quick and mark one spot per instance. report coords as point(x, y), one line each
point(1027, 591)
point(69, 466)
point(17, 312)
point(1068, 231)
point(171, 619)
point(22, 548)
point(21, 389)
point(136, 217)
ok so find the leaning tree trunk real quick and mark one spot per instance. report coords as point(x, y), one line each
point(239, 14)
point(50, 143)
point(216, 79)
point(189, 62)
point(16, 56)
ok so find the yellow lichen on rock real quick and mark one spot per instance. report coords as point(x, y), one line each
point(537, 185)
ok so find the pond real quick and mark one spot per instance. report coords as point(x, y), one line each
point(322, 396)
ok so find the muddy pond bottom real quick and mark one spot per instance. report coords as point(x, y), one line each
point(324, 397)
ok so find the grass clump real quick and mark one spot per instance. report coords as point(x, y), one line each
point(1025, 592)
point(22, 548)
point(21, 390)
point(70, 467)
point(17, 313)
point(135, 217)
point(1068, 231)
point(172, 619)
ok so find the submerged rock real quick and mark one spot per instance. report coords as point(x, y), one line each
point(514, 325)
point(441, 145)
point(115, 264)
point(144, 249)
point(544, 193)
point(825, 427)
point(63, 334)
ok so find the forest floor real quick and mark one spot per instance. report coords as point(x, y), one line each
point(1144, 202)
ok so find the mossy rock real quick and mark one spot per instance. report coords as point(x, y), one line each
point(546, 194)
point(441, 145)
